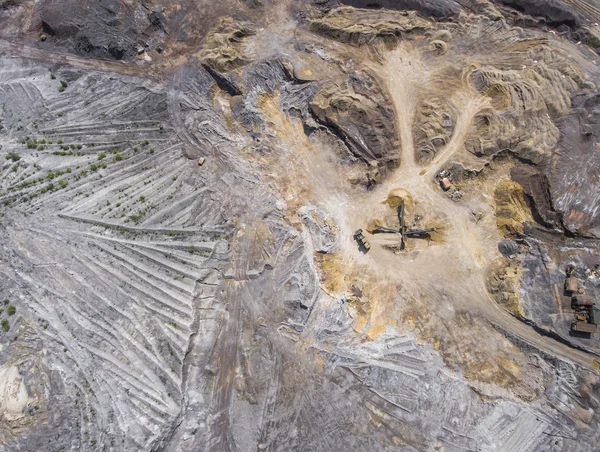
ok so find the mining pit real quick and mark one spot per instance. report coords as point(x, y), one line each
point(299, 225)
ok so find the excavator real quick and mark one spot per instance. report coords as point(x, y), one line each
point(404, 231)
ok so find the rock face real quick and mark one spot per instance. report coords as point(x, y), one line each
point(575, 191)
point(357, 114)
point(359, 27)
point(536, 94)
point(554, 12)
point(324, 234)
point(438, 9)
point(223, 50)
point(537, 188)
point(434, 124)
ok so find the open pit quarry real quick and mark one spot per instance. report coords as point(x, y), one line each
point(300, 225)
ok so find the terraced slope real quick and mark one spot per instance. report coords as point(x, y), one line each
point(155, 301)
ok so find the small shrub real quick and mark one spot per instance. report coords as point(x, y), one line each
point(11, 310)
point(101, 155)
point(12, 156)
point(53, 77)
point(93, 167)
point(61, 89)
point(68, 170)
point(118, 157)
point(5, 325)
point(59, 141)
point(63, 183)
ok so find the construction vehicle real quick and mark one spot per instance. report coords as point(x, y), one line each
point(446, 184)
point(571, 284)
point(403, 230)
point(582, 300)
point(583, 328)
point(362, 241)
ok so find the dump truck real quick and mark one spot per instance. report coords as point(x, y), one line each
point(583, 327)
point(582, 300)
point(571, 284)
point(362, 241)
point(446, 184)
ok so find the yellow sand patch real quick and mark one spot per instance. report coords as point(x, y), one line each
point(512, 210)
point(373, 309)
point(396, 196)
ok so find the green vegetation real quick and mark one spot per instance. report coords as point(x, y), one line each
point(118, 157)
point(63, 183)
point(93, 167)
point(12, 156)
point(61, 89)
point(138, 217)
point(11, 309)
point(5, 325)
point(101, 155)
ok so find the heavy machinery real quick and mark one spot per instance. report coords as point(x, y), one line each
point(403, 230)
point(362, 241)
